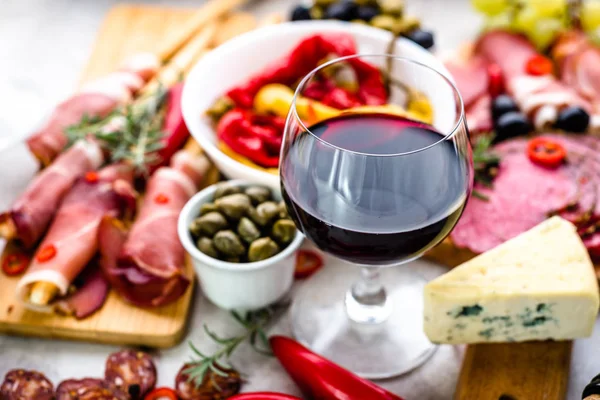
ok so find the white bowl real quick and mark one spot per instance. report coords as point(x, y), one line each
point(248, 54)
point(243, 286)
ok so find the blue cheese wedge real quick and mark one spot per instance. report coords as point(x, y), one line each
point(540, 285)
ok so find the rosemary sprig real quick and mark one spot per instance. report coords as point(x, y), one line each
point(485, 163)
point(254, 324)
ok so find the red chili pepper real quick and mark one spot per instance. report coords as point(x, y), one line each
point(321, 379)
point(539, 65)
point(256, 137)
point(264, 396)
point(546, 152)
point(15, 263)
point(91, 176)
point(161, 198)
point(46, 253)
point(495, 80)
point(307, 263)
point(162, 393)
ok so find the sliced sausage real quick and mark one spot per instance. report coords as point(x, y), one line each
point(131, 371)
point(214, 386)
point(20, 384)
point(89, 389)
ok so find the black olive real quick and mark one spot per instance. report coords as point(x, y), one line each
point(422, 38)
point(300, 13)
point(343, 10)
point(512, 124)
point(503, 104)
point(573, 119)
point(367, 13)
point(592, 388)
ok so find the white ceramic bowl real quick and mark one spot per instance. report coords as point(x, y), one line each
point(248, 54)
point(244, 286)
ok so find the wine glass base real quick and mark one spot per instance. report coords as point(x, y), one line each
point(372, 350)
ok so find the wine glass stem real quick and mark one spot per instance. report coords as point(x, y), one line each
point(366, 301)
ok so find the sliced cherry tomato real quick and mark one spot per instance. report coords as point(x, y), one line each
point(539, 65)
point(162, 393)
point(546, 152)
point(495, 80)
point(161, 198)
point(15, 263)
point(46, 253)
point(91, 176)
point(307, 263)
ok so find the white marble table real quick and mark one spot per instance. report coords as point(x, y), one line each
point(43, 46)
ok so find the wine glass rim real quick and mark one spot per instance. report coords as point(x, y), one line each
point(450, 134)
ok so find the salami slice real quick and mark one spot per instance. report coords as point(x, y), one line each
point(20, 384)
point(89, 389)
point(131, 371)
point(214, 386)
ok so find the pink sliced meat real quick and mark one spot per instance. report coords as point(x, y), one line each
point(146, 266)
point(470, 76)
point(95, 99)
point(33, 211)
point(74, 231)
point(89, 296)
point(479, 116)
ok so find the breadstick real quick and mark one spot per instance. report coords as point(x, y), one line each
point(235, 25)
point(271, 19)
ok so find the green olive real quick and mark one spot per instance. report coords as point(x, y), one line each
point(219, 108)
point(406, 25)
point(225, 189)
point(324, 3)
point(207, 208)
point(317, 12)
point(392, 7)
point(258, 194)
point(283, 231)
point(386, 22)
point(234, 206)
point(209, 224)
point(247, 230)
point(207, 246)
point(359, 21)
point(228, 243)
point(261, 249)
point(283, 211)
point(264, 213)
point(232, 259)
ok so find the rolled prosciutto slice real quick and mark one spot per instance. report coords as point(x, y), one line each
point(147, 265)
point(95, 99)
point(539, 97)
point(29, 217)
point(72, 240)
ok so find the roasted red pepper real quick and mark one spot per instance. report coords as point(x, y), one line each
point(546, 152)
point(264, 396)
point(15, 263)
point(256, 137)
point(321, 379)
point(305, 57)
point(307, 263)
point(325, 91)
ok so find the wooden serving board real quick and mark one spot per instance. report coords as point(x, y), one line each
point(126, 30)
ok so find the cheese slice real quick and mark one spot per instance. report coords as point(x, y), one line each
point(539, 285)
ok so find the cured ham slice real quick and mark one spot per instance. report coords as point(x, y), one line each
point(95, 99)
point(534, 94)
point(30, 215)
point(147, 265)
point(72, 240)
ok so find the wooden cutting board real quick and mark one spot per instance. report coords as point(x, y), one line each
point(127, 29)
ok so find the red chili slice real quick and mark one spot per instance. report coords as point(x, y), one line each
point(546, 152)
point(161, 393)
point(539, 65)
point(46, 253)
point(15, 263)
point(307, 263)
point(91, 176)
point(161, 198)
point(495, 80)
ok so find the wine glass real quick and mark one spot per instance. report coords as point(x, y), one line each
point(374, 187)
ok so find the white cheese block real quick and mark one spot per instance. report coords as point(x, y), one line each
point(539, 285)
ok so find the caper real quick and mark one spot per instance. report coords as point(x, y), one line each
point(232, 259)
point(264, 213)
point(283, 231)
point(386, 22)
point(392, 7)
point(234, 206)
point(207, 208)
point(207, 246)
point(258, 194)
point(261, 249)
point(406, 25)
point(228, 243)
point(209, 224)
point(317, 12)
point(225, 189)
point(219, 108)
point(195, 228)
point(283, 211)
point(247, 230)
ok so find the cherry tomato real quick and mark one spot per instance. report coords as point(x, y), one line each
point(46, 253)
point(307, 263)
point(14, 263)
point(161, 393)
point(91, 176)
point(539, 65)
point(546, 152)
point(495, 80)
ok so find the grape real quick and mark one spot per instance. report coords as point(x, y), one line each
point(543, 33)
point(590, 15)
point(490, 7)
point(525, 19)
point(549, 8)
